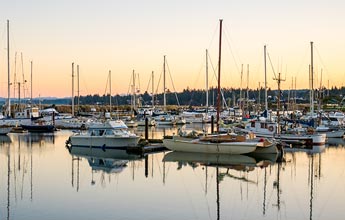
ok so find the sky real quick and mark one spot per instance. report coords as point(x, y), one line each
point(126, 36)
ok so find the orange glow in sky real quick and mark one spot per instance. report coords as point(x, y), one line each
point(123, 36)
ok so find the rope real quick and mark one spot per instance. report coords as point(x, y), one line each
point(172, 82)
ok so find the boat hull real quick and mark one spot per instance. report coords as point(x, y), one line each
point(208, 147)
point(104, 142)
point(5, 130)
point(39, 128)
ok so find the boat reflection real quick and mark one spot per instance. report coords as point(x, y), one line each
point(39, 138)
point(335, 142)
point(242, 163)
point(5, 139)
point(103, 162)
point(312, 149)
point(108, 161)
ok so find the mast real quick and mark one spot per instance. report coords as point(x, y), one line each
point(110, 92)
point(219, 65)
point(206, 80)
point(248, 88)
point(153, 92)
point(15, 75)
point(78, 102)
point(279, 80)
point(241, 88)
point(31, 83)
point(164, 88)
point(266, 103)
point(312, 78)
point(133, 91)
point(24, 81)
point(8, 70)
point(72, 89)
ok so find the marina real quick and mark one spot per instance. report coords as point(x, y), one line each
point(40, 173)
point(172, 110)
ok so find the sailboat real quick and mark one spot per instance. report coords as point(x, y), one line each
point(23, 117)
point(214, 143)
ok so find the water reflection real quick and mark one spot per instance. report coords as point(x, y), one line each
point(39, 173)
point(223, 164)
point(5, 139)
point(39, 139)
point(109, 161)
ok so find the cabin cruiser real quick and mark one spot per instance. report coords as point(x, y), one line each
point(108, 134)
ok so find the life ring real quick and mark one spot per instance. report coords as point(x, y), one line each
point(270, 128)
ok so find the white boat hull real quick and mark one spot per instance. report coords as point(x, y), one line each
point(333, 134)
point(208, 147)
point(104, 142)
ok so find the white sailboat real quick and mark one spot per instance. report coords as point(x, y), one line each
point(213, 143)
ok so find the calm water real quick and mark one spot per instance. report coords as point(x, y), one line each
point(41, 179)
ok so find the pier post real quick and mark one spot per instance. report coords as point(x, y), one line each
point(146, 166)
point(53, 116)
point(212, 124)
point(146, 128)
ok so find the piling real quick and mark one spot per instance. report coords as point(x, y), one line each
point(146, 128)
point(146, 165)
point(212, 124)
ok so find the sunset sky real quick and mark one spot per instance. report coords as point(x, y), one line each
point(123, 36)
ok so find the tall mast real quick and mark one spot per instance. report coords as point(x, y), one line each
point(312, 78)
point(15, 75)
point(153, 92)
point(31, 82)
point(78, 102)
point(219, 65)
point(8, 69)
point(241, 87)
point(279, 80)
point(24, 81)
point(72, 89)
point(206, 80)
point(266, 103)
point(133, 91)
point(164, 88)
point(110, 92)
point(248, 88)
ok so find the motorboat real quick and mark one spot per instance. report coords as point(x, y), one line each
point(107, 134)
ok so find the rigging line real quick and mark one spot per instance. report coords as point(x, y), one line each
point(129, 86)
point(172, 82)
point(197, 79)
point(210, 60)
point(148, 84)
point(317, 51)
point(159, 80)
point(221, 90)
point(231, 51)
point(139, 82)
point(106, 86)
point(269, 58)
point(215, 33)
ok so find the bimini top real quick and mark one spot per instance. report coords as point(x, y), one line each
point(109, 124)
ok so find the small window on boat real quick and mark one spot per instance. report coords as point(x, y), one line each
point(263, 125)
point(101, 132)
point(253, 124)
point(108, 132)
